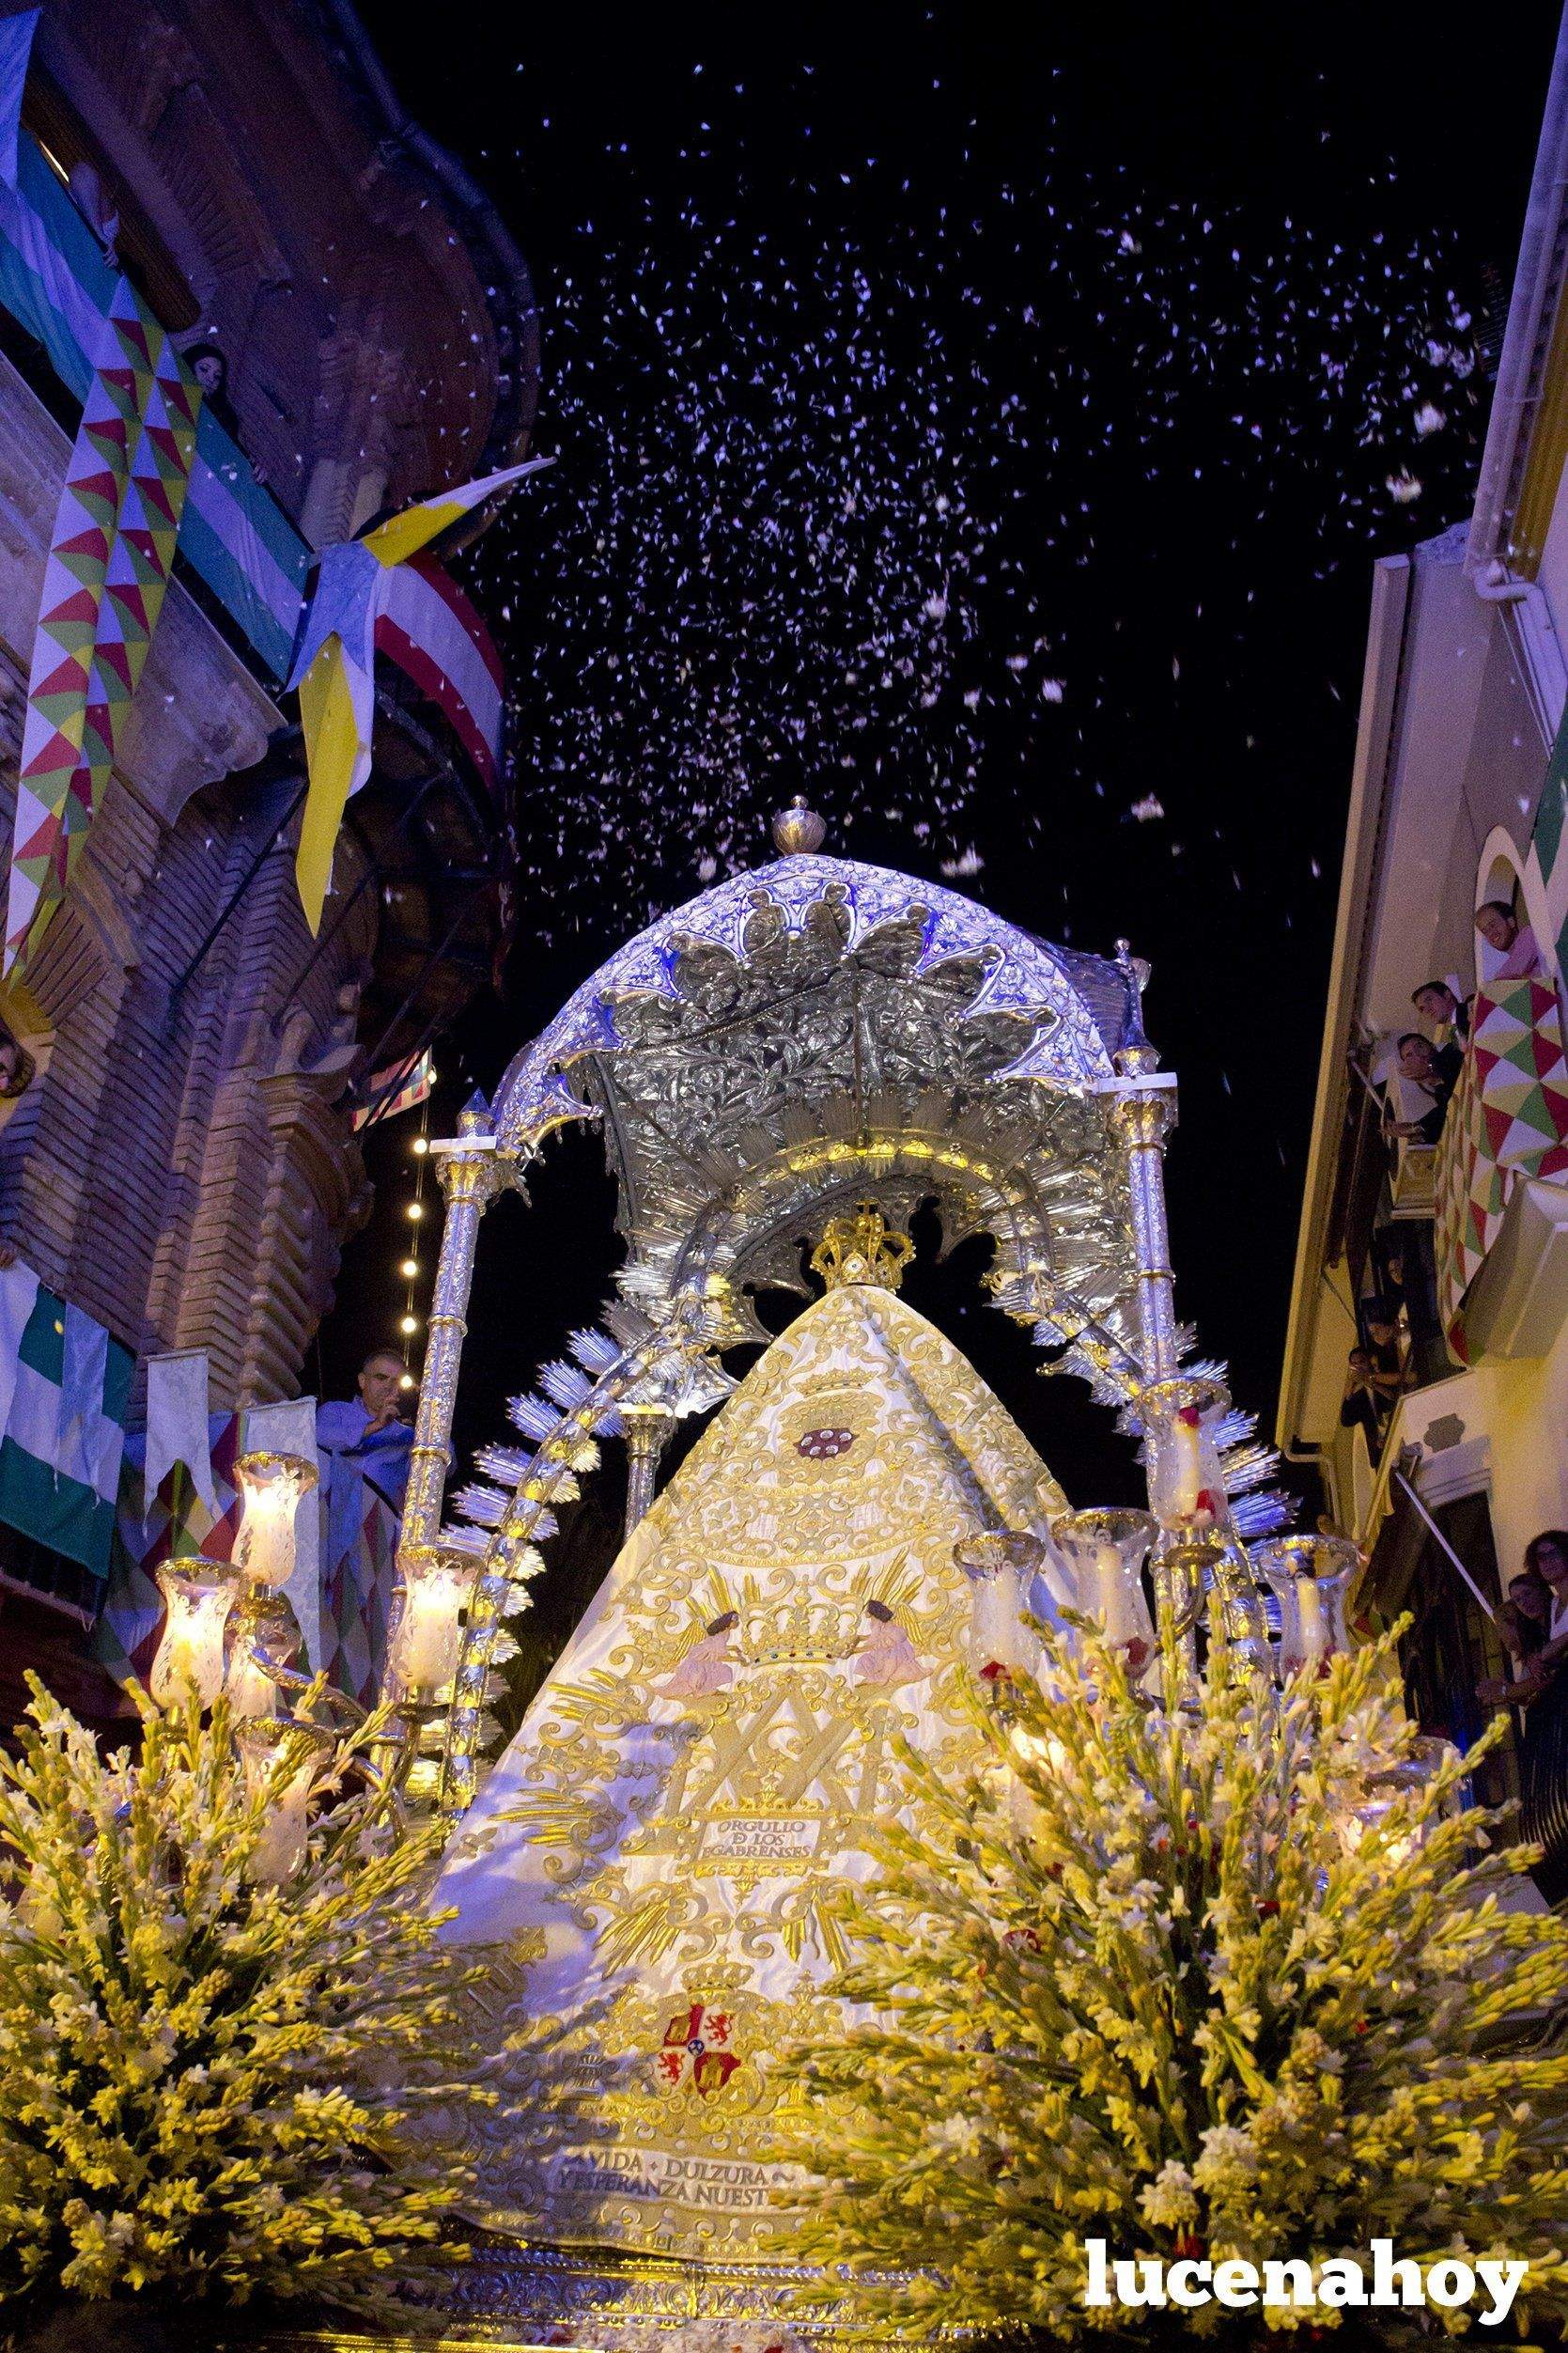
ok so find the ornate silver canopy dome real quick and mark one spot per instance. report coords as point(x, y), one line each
point(759, 1054)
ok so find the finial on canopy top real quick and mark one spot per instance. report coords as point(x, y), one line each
point(1137, 1058)
point(797, 831)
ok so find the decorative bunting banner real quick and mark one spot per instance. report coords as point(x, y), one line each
point(1508, 1119)
point(353, 1546)
point(103, 586)
point(64, 1428)
point(165, 1521)
point(359, 1571)
point(145, 440)
point(334, 667)
point(177, 1422)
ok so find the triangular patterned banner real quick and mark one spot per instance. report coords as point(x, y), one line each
point(1508, 1119)
point(103, 588)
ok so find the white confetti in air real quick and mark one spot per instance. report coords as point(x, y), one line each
point(844, 511)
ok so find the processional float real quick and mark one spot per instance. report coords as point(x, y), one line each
point(760, 1061)
point(784, 1071)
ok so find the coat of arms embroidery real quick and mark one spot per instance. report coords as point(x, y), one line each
point(696, 2048)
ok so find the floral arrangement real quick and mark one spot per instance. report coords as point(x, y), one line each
point(1230, 1979)
point(224, 2072)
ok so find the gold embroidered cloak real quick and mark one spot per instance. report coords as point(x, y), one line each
point(696, 1773)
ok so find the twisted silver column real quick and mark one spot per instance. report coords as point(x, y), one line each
point(471, 1171)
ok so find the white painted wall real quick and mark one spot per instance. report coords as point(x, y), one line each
point(1528, 1424)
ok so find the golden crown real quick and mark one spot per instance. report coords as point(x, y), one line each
point(861, 1249)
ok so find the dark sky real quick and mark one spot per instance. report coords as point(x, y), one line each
point(1172, 280)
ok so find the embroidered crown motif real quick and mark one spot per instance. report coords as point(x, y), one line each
point(772, 1631)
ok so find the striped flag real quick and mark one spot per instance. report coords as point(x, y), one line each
point(417, 1079)
point(427, 626)
point(334, 667)
point(65, 1428)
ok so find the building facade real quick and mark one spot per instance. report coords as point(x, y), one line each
point(183, 1167)
point(1434, 1237)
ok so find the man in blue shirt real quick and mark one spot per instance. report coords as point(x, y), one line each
point(366, 1433)
point(365, 1448)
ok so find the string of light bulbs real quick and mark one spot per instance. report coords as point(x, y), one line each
point(410, 1267)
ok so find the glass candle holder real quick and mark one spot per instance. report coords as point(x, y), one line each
point(261, 1624)
point(272, 1485)
point(299, 1748)
point(1186, 1487)
point(199, 1595)
point(1197, 1549)
point(998, 1563)
point(1310, 1576)
point(1106, 1551)
point(1366, 1810)
point(425, 1635)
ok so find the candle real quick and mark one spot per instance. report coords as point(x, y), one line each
point(1112, 1601)
point(1105, 1552)
point(199, 1595)
point(1312, 1576)
point(1188, 1441)
point(251, 1692)
point(430, 1631)
point(1314, 1633)
point(285, 1830)
point(272, 1485)
point(994, 1631)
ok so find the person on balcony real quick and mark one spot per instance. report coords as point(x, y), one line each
point(1546, 1557)
point(1510, 939)
point(1389, 1261)
point(1388, 1348)
point(1448, 1015)
point(367, 1432)
point(96, 206)
point(210, 366)
point(1432, 1071)
point(1524, 1623)
point(1365, 1405)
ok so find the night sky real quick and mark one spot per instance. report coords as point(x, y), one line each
point(983, 420)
